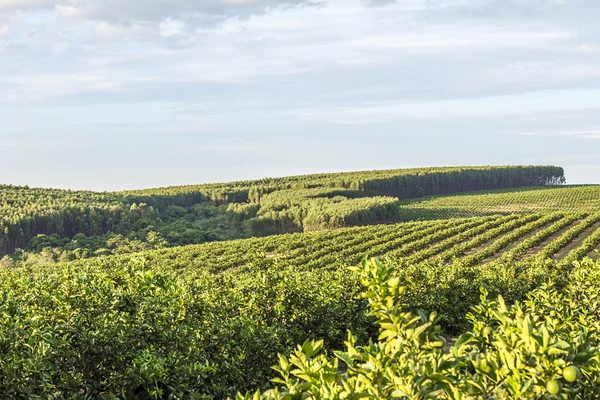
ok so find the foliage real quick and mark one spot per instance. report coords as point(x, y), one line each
point(404, 183)
point(544, 348)
point(69, 327)
point(571, 198)
point(330, 199)
point(305, 210)
point(96, 330)
point(225, 307)
point(471, 241)
point(176, 226)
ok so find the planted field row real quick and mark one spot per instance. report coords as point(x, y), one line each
point(210, 319)
point(471, 240)
point(545, 199)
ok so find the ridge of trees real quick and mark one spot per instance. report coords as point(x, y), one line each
point(266, 206)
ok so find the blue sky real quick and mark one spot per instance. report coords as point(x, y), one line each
point(112, 94)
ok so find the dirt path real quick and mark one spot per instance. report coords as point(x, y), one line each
point(536, 249)
point(482, 246)
point(516, 242)
point(576, 242)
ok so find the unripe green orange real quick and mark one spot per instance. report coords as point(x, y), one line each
point(487, 331)
point(571, 373)
point(553, 387)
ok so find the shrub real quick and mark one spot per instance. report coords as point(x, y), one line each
point(543, 348)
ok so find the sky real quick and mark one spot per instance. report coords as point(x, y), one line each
point(113, 94)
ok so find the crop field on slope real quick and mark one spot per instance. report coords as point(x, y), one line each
point(585, 198)
point(472, 241)
point(210, 319)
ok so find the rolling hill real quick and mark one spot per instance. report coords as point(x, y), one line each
point(136, 313)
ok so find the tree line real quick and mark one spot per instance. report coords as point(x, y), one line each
point(288, 204)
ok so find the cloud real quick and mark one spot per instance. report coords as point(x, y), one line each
point(149, 10)
point(109, 31)
point(24, 4)
point(284, 55)
point(590, 133)
point(308, 78)
point(7, 21)
point(528, 133)
point(380, 3)
point(36, 88)
point(172, 27)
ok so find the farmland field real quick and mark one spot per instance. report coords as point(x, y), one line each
point(522, 200)
point(470, 240)
point(192, 292)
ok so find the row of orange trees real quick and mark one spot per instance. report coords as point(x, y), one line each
point(169, 324)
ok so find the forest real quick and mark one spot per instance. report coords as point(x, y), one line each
point(449, 283)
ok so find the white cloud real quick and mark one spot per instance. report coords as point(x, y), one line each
point(109, 31)
point(590, 133)
point(172, 27)
point(38, 88)
point(67, 12)
point(8, 21)
point(446, 38)
point(24, 4)
point(419, 49)
point(146, 10)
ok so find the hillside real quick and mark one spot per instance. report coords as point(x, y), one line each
point(517, 200)
point(212, 317)
point(139, 220)
point(471, 241)
point(144, 318)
